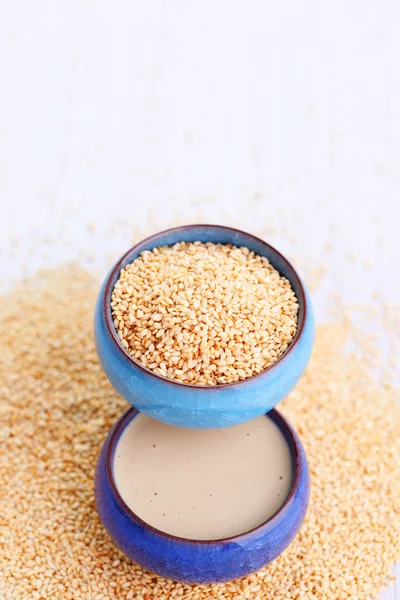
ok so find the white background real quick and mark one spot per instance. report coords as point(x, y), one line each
point(120, 118)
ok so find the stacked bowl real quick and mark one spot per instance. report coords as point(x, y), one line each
point(202, 407)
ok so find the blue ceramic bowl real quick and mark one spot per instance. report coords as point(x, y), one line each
point(203, 406)
point(201, 561)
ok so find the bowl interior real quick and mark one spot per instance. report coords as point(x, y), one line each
point(297, 466)
point(216, 234)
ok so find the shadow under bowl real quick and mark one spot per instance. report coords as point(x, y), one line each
point(200, 561)
point(203, 406)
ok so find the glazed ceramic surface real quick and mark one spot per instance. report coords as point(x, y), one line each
point(203, 406)
point(201, 561)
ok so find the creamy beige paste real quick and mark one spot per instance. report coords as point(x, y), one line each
point(203, 484)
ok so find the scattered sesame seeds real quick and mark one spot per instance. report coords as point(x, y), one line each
point(204, 314)
point(56, 408)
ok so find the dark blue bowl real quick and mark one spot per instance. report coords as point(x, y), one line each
point(193, 405)
point(201, 561)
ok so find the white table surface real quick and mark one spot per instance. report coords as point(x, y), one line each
point(118, 118)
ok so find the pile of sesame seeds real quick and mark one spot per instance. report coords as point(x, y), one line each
point(204, 314)
point(56, 408)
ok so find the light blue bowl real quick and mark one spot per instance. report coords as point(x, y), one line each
point(203, 406)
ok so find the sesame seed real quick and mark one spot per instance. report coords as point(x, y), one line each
point(57, 407)
point(207, 279)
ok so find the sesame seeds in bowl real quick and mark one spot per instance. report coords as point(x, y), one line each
point(204, 313)
point(192, 355)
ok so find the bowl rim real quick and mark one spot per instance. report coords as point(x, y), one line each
point(107, 314)
point(297, 464)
